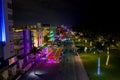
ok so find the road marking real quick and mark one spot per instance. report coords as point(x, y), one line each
point(18, 77)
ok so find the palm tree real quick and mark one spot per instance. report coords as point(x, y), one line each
point(107, 46)
point(34, 51)
point(110, 41)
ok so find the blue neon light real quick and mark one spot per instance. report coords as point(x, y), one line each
point(2, 22)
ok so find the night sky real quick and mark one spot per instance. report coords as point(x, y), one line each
point(95, 14)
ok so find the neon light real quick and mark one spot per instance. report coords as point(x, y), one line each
point(43, 45)
point(51, 31)
point(51, 39)
point(0, 20)
point(51, 35)
point(3, 33)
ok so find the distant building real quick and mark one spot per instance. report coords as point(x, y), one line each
point(37, 35)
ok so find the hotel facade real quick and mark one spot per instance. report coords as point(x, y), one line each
point(8, 58)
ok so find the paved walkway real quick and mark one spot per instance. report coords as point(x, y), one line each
point(73, 68)
point(80, 71)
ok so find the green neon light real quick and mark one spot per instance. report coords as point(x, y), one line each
point(51, 31)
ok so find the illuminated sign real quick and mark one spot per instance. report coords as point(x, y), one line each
point(12, 60)
point(2, 22)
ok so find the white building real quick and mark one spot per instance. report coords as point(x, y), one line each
point(7, 58)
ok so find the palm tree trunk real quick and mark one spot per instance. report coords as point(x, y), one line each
point(107, 60)
point(34, 63)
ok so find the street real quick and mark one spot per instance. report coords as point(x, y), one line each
point(70, 68)
point(42, 71)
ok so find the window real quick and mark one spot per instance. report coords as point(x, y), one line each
point(10, 17)
point(9, 5)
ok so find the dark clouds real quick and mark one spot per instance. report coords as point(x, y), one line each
point(90, 13)
point(49, 11)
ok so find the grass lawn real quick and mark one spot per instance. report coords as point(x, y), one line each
point(110, 72)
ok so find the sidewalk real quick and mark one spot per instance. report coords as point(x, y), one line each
point(80, 70)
